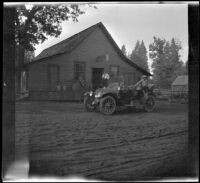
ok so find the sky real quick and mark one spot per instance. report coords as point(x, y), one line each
point(128, 23)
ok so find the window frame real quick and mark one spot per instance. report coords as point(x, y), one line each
point(75, 71)
point(110, 67)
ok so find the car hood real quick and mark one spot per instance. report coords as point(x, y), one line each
point(109, 89)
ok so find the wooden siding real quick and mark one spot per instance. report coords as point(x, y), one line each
point(97, 45)
point(37, 79)
point(38, 73)
point(179, 88)
point(92, 51)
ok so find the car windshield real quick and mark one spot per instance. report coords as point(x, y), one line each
point(115, 81)
point(115, 84)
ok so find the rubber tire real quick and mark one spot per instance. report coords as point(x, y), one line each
point(149, 110)
point(86, 99)
point(101, 108)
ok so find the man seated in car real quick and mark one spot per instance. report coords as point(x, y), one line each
point(143, 82)
point(141, 86)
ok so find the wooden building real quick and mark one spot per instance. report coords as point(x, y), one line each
point(180, 84)
point(54, 73)
point(179, 89)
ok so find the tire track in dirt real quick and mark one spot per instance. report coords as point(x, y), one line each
point(62, 141)
point(100, 166)
point(86, 147)
point(151, 157)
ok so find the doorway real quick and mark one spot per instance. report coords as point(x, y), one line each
point(97, 77)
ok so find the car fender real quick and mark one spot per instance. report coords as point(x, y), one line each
point(114, 95)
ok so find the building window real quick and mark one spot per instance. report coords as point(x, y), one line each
point(114, 70)
point(79, 69)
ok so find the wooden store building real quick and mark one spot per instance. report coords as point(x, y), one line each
point(54, 74)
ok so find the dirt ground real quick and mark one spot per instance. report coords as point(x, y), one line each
point(62, 139)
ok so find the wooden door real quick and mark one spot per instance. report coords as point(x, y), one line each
point(97, 77)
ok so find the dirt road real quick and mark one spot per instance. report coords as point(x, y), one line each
point(62, 139)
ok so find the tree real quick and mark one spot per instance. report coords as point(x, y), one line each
point(139, 55)
point(129, 55)
point(123, 49)
point(156, 53)
point(134, 54)
point(34, 23)
point(29, 56)
point(167, 64)
point(143, 56)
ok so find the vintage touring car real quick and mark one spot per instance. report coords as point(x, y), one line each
point(116, 94)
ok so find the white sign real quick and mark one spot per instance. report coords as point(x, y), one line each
point(102, 58)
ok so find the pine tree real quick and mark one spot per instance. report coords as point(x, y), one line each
point(134, 53)
point(139, 55)
point(143, 56)
point(123, 49)
point(167, 64)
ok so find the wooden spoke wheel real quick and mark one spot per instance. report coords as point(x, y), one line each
point(149, 104)
point(107, 105)
point(88, 104)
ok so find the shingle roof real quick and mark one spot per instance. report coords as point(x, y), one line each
point(73, 41)
point(181, 80)
point(66, 45)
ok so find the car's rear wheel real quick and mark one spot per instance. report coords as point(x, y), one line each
point(88, 104)
point(107, 105)
point(149, 104)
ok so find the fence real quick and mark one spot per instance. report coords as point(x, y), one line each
point(172, 96)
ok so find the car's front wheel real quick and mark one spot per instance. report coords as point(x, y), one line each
point(107, 105)
point(88, 104)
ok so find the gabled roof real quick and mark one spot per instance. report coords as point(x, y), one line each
point(66, 45)
point(73, 41)
point(181, 80)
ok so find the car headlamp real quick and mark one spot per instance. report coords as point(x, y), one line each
point(90, 93)
point(97, 95)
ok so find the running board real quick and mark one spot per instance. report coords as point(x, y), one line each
point(134, 105)
point(130, 105)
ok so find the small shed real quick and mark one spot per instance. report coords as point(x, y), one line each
point(180, 85)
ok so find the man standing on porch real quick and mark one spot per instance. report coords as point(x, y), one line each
point(105, 78)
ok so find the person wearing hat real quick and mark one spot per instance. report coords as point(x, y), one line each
point(141, 85)
point(143, 82)
point(105, 78)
